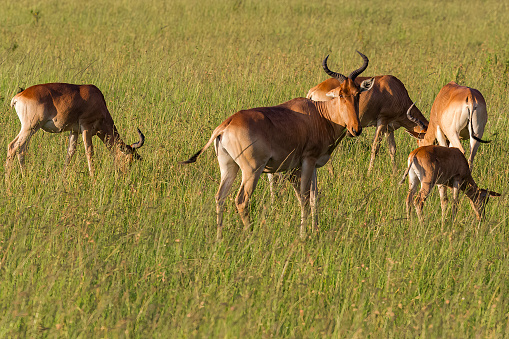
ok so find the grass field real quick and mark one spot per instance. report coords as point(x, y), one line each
point(134, 255)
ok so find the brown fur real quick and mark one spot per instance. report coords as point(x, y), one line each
point(447, 167)
point(59, 107)
point(384, 107)
point(297, 136)
point(454, 107)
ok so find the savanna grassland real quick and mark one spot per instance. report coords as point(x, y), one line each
point(135, 255)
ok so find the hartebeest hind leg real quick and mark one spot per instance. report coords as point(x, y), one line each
point(313, 199)
point(229, 170)
point(71, 148)
point(421, 198)
point(19, 146)
point(474, 144)
point(413, 181)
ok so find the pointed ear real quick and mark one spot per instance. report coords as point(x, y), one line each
point(418, 136)
point(366, 85)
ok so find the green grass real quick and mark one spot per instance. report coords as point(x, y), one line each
point(135, 255)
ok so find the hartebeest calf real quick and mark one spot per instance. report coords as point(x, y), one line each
point(59, 107)
point(298, 135)
point(443, 166)
point(384, 106)
point(454, 107)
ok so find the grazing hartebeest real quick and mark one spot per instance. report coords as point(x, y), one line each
point(384, 106)
point(59, 107)
point(442, 166)
point(452, 109)
point(297, 135)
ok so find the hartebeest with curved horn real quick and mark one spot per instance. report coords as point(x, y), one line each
point(298, 135)
point(454, 107)
point(384, 106)
point(59, 107)
point(446, 167)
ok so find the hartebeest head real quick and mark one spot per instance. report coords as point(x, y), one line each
point(383, 107)
point(125, 154)
point(348, 93)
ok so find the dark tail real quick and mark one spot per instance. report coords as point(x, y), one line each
point(191, 159)
point(217, 132)
point(471, 113)
point(407, 170)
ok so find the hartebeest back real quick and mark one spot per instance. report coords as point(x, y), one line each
point(59, 107)
point(445, 167)
point(454, 107)
point(384, 106)
point(298, 135)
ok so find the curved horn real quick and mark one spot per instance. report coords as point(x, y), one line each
point(338, 76)
point(139, 143)
point(358, 71)
point(414, 119)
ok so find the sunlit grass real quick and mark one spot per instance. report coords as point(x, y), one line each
point(135, 254)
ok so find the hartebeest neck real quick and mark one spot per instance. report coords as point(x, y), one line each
point(111, 138)
point(330, 112)
point(471, 190)
point(413, 126)
point(430, 135)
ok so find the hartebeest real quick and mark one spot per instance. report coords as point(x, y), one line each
point(384, 106)
point(454, 107)
point(443, 166)
point(298, 135)
point(59, 107)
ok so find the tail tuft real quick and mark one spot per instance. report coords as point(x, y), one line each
point(191, 159)
point(406, 173)
point(402, 181)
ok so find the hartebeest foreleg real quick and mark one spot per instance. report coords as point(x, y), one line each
point(89, 149)
point(308, 175)
point(249, 181)
point(19, 145)
point(376, 144)
point(455, 197)
point(229, 170)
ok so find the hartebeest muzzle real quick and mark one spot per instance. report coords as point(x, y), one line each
point(131, 149)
